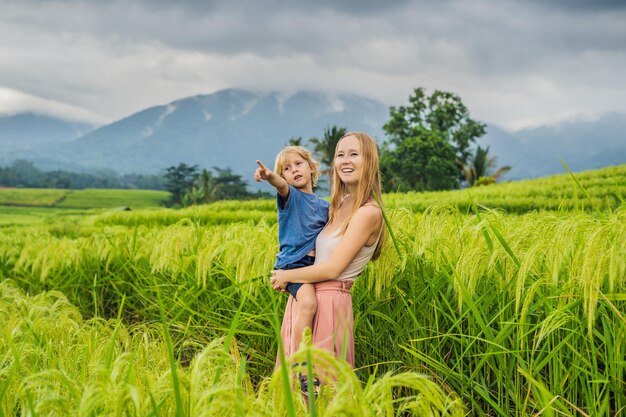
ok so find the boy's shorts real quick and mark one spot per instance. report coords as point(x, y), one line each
point(306, 261)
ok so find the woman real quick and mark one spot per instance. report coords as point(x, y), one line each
point(352, 236)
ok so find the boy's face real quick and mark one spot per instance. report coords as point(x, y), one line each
point(297, 172)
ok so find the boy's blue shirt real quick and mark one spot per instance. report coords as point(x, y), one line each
point(300, 219)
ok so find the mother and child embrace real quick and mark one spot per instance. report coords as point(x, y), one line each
point(324, 246)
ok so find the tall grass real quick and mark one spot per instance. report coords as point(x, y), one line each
point(516, 314)
point(225, 212)
point(55, 363)
point(519, 315)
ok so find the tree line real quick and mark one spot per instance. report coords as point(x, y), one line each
point(189, 185)
point(23, 174)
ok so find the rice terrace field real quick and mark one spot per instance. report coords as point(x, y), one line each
point(506, 300)
point(83, 199)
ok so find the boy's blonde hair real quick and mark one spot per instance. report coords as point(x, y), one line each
point(304, 153)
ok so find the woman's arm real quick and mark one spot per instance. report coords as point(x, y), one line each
point(366, 221)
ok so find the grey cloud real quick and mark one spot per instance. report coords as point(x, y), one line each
point(582, 6)
point(254, 7)
point(91, 53)
point(274, 28)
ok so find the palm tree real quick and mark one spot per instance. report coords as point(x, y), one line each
point(205, 186)
point(324, 149)
point(295, 141)
point(482, 165)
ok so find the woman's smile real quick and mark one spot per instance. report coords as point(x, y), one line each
point(348, 159)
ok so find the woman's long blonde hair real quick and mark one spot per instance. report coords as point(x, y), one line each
point(368, 187)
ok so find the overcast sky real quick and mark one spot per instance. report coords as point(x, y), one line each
point(514, 63)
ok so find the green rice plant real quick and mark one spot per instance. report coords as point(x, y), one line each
point(201, 215)
point(31, 196)
point(55, 363)
point(517, 314)
point(11, 216)
point(108, 198)
point(603, 188)
point(471, 311)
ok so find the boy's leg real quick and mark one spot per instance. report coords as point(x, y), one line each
point(307, 307)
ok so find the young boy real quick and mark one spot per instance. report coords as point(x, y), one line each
point(301, 216)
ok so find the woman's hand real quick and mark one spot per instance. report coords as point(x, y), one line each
point(278, 283)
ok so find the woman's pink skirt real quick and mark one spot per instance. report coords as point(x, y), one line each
point(333, 324)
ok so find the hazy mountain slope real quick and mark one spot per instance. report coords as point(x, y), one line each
point(29, 131)
point(230, 128)
point(582, 144)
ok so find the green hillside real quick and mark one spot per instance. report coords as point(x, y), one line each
point(98, 198)
point(31, 197)
point(82, 199)
point(599, 189)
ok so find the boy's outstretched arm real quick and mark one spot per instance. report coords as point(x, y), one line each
point(276, 181)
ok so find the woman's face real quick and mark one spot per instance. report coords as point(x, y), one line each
point(349, 160)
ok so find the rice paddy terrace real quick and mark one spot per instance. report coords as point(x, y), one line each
point(503, 300)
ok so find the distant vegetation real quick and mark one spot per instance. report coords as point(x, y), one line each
point(186, 185)
point(95, 198)
point(599, 189)
point(12, 216)
point(38, 197)
point(190, 186)
point(24, 174)
point(82, 199)
point(603, 189)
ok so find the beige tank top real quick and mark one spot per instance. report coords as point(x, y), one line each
point(326, 245)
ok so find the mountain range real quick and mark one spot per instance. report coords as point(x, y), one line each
point(29, 131)
point(581, 144)
point(232, 128)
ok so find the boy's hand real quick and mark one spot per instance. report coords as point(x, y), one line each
point(262, 172)
point(276, 181)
